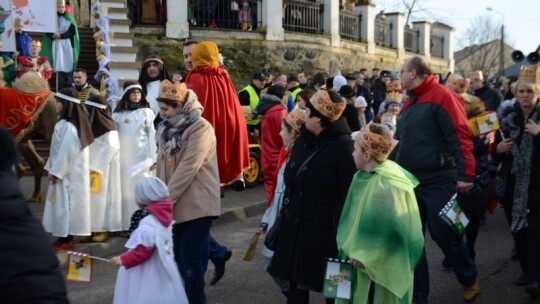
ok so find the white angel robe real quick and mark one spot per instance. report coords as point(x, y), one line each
point(62, 49)
point(137, 143)
point(67, 206)
point(153, 90)
point(106, 206)
point(157, 280)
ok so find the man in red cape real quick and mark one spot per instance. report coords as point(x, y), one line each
point(222, 109)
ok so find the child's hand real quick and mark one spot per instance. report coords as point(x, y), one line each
point(116, 261)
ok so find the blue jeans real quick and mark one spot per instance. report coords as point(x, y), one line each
point(216, 251)
point(191, 254)
point(431, 199)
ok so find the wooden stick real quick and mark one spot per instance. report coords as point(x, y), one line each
point(87, 255)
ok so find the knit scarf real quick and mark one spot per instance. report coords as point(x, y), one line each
point(170, 130)
point(521, 167)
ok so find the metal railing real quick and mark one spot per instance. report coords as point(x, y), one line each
point(437, 46)
point(411, 40)
point(303, 16)
point(383, 33)
point(349, 25)
point(225, 14)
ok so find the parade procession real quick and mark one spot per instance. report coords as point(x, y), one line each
point(261, 152)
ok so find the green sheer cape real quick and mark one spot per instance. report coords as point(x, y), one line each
point(380, 226)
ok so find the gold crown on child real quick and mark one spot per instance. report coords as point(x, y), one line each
point(35, 43)
point(321, 102)
point(296, 119)
point(530, 73)
point(374, 144)
point(175, 92)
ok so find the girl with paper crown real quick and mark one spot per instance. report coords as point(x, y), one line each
point(148, 273)
point(380, 232)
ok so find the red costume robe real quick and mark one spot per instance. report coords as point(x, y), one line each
point(41, 66)
point(222, 109)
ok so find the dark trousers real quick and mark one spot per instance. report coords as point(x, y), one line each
point(473, 203)
point(191, 255)
point(216, 251)
point(65, 80)
point(431, 199)
point(300, 296)
point(527, 240)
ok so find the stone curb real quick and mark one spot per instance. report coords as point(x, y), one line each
point(115, 245)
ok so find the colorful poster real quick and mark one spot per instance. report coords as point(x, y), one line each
point(37, 15)
point(6, 26)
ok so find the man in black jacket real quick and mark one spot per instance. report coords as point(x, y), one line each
point(491, 98)
point(28, 266)
point(435, 146)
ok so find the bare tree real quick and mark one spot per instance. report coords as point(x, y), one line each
point(482, 51)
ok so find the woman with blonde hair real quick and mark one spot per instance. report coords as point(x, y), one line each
point(519, 150)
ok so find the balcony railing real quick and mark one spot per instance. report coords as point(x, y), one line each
point(303, 16)
point(437, 46)
point(411, 40)
point(224, 14)
point(349, 25)
point(383, 33)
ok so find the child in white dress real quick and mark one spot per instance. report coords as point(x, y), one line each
point(148, 273)
point(135, 123)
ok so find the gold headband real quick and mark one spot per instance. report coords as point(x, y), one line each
point(321, 102)
point(374, 144)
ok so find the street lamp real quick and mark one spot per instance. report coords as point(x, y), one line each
point(501, 60)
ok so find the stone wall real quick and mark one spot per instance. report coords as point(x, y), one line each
point(247, 52)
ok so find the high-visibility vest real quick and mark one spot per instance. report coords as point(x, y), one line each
point(253, 102)
point(295, 92)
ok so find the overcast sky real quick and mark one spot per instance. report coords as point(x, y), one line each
point(521, 17)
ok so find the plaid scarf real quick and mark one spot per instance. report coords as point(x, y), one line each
point(521, 165)
point(170, 130)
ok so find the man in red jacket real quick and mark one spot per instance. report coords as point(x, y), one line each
point(435, 145)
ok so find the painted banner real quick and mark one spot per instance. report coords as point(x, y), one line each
point(37, 15)
point(6, 26)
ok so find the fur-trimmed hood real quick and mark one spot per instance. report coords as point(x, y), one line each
point(473, 105)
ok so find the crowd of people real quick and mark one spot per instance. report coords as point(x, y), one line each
point(355, 168)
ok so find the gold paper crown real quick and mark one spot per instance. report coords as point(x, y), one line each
point(321, 102)
point(35, 42)
point(60, 2)
point(374, 144)
point(169, 91)
point(530, 73)
point(296, 118)
point(394, 91)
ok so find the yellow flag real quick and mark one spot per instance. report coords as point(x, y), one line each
point(95, 182)
point(79, 268)
point(252, 246)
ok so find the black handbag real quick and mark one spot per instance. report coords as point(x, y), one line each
point(497, 188)
point(270, 241)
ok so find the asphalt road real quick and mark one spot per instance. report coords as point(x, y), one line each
point(247, 282)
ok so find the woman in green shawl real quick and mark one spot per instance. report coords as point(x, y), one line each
point(380, 232)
